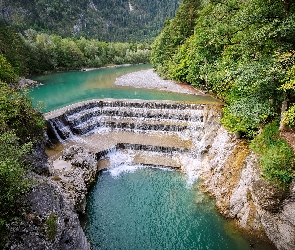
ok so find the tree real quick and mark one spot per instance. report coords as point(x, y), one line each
point(287, 65)
point(233, 55)
point(7, 73)
point(20, 127)
point(174, 34)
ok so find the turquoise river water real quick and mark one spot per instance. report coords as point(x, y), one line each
point(138, 207)
point(61, 89)
point(153, 208)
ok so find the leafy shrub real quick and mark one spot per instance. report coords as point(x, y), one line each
point(7, 73)
point(20, 126)
point(289, 118)
point(18, 115)
point(12, 179)
point(237, 124)
point(276, 156)
point(246, 114)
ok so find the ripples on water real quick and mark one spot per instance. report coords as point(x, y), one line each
point(136, 207)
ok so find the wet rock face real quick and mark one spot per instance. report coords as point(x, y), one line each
point(50, 222)
point(233, 177)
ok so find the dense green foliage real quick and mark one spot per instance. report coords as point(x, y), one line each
point(52, 52)
point(13, 183)
point(276, 157)
point(20, 126)
point(18, 116)
point(174, 34)
point(36, 52)
point(243, 53)
point(16, 54)
point(105, 20)
point(235, 52)
point(6, 71)
point(287, 63)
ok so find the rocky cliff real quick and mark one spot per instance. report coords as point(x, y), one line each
point(51, 219)
point(231, 174)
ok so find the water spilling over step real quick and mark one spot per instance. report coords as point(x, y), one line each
point(165, 133)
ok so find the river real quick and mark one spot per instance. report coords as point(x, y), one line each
point(135, 206)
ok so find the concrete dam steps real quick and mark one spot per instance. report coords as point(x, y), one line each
point(153, 132)
point(140, 116)
point(98, 142)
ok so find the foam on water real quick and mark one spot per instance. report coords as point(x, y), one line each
point(117, 158)
point(98, 130)
point(122, 163)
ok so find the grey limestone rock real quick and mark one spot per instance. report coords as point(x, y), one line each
point(256, 205)
point(33, 232)
point(51, 219)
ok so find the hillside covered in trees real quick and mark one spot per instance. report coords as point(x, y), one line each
point(243, 52)
point(105, 20)
point(35, 52)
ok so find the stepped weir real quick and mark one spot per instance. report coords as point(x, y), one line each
point(161, 133)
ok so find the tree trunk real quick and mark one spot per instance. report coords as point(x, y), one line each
point(283, 109)
point(287, 4)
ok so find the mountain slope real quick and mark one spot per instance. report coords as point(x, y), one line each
point(106, 20)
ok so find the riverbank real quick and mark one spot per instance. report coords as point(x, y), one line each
point(149, 79)
point(110, 66)
point(91, 69)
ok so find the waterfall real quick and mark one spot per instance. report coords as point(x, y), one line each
point(183, 125)
point(61, 130)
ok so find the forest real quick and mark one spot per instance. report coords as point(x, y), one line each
point(35, 52)
point(105, 20)
point(242, 52)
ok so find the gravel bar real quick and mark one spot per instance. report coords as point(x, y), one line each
point(148, 79)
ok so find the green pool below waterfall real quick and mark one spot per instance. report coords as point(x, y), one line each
point(150, 208)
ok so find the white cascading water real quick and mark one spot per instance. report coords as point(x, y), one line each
point(121, 162)
point(186, 121)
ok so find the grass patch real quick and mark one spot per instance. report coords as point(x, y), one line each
point(276, 156)
point(51, 224)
